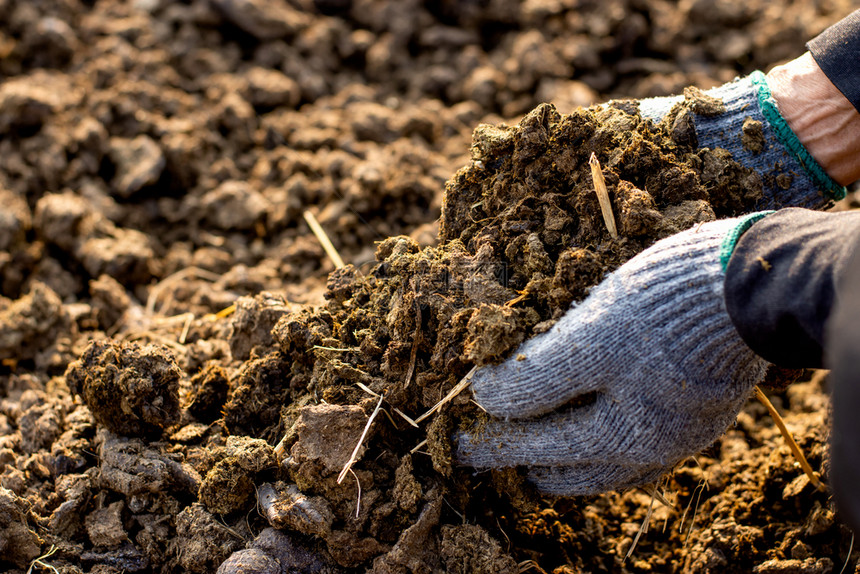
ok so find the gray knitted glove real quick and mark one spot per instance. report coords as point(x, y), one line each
point(654, 353)
point(743, 118)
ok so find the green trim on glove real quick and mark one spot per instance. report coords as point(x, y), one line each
point(788, 138)
point(732, 237)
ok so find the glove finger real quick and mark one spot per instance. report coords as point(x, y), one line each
point(591, 478)
point(546, 372)
point(590, 433)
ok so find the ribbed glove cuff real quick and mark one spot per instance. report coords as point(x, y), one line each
point(790, 174)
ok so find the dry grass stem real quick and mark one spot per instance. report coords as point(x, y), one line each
point(474, 402)
point(413, 358)
point(505, 534)
point(279, 448)
point(170, 322)
point(701, 485)
point(697, 496)
point(516, 299)
point(339, 349)
point(789, 440)
point(405, 417)
point(603, 196)
point(38, 561)
point(390, 419)
point(458, 388)
point(643, 528)
point(454, 510)
point(357, 500)
point(354, 455)
point(661, 498)
point(418, 446)
point(367, 389)
point(182, 337)
point(324, 240)
point(230, 530)
point(848, 558)
point(226, 312)
point(527, 565)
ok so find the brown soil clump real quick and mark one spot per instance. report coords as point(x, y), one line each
point(130, 390)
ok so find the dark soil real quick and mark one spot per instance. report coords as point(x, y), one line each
point(157, 158)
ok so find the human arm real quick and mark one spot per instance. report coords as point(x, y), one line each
point(820, 114)
point(843, 357)
point(782, 282)
point(798, 126)
point(818, 94)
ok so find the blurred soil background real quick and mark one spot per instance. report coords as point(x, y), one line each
point(156, 160)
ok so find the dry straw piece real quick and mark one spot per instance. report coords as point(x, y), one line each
point(603, 195)
point(322, 237)
point(354, 457)
point(789, 440)
point(458, 388)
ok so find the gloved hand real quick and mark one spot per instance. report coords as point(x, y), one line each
point(654, 351)
point(744, 117)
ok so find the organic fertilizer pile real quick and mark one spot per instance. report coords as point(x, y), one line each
point(189, 385)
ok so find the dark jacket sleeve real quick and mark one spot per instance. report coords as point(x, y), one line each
point(837, 53)
point(843, 358)
point(793, 291)
point(782, 279)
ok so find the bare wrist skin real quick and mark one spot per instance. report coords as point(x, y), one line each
point(823, 119)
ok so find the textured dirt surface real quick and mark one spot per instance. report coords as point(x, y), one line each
point(182, 382)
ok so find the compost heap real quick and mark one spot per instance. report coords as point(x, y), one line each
point(521, 237)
